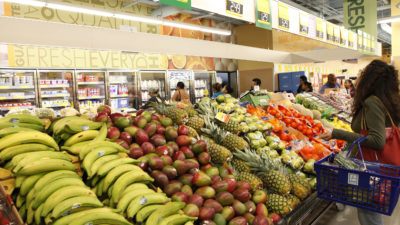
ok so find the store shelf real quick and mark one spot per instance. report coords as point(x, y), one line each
point(119, 96)
point(15, 107)
point(119, 82)
point(91, 83)
point(55, 96)
point(17, 87)
point(56, 106)
point(17, 97)
point(93, 97)
point(54, 86)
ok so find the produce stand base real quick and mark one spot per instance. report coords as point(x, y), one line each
point(308, 212)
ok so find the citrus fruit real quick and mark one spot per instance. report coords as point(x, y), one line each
point(179, 61)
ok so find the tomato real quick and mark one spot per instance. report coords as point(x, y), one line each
point(294, 124)
point(309, 131)
point(5, 221)
point(284, 136)
point(301, 128)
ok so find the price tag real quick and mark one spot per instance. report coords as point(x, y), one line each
point(256, 88)
point(263, 12)
point(234, 7)
point(223, 117)
point(24, 86)
point(4, 87)
point(18, 97)
point(3, 98)
point(205, 92)
point(283, 16)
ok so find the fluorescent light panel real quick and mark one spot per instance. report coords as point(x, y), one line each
point(389, 19)
point(125, 16)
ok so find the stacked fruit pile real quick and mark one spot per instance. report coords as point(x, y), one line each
point(48, 188)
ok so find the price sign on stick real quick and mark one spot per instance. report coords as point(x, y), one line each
point(234, 7)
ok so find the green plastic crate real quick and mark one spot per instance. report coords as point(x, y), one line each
point(256, 100)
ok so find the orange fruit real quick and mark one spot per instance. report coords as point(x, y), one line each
point(179, 61)
point(196, 65)
point(166, 30)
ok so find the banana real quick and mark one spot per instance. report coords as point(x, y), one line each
point(109, 193)
point(29, 197)
point(81, 136)
point(29, 214)
point(102, 133)
point(37, 214)
point(82, 125)
point(65, 136)
point(101, 218)
point(40, 155)
point(59, 125)
point(141, 201)
point(124, 201)
point(28, 183)
point(176, 219)
point(145, 212)
point(135, 186)
point(114, 163)
point(20, 201)
point(94, 180)
point(94, 155)
point(52, 187)
point(22, 212)
point(53, 176)
point(94, 144)
point(22, 118)
point(126, 179)
point(12, 130)
point(189, 223)
point(16, 159)
point(99, 162)
point(10, 152)
point(76, 148)
point(65, 220)
point(117, 172)
point(166, 210)
point(46, 165)
point(27, 137)
point(70, 204)
point(19, 180)
point(23, 125)
point(62, 194)
point(8, 166)
point(100, 186)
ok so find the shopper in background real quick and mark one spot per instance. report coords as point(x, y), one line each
point(255, 83)
point(180, 94)
point(226, 89)
point(217, 90)
point(304, 85)
point(154, 98)
point(330, 84)
point(351, 90)
point(376, 103)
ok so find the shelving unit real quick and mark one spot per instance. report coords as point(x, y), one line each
point(185, 76)
point(90, 89)
point(148, 80)
point(17, 89)
point(203, 81)
point(122, 89)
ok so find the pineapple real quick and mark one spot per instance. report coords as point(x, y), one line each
point(231, 126)
point(192, 132)
point(293, 200)
point(278, 204)
point(300, 187)
point(191, 111)
point(273, 174)
point(254, 181)
point(240, 165)
point(219, 154)
point(179, 116)
point(196, 123)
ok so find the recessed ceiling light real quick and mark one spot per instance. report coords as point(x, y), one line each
point(389, 19)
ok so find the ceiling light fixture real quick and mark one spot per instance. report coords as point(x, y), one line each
point(126, 16)
point(389, 19)
point(385, 27)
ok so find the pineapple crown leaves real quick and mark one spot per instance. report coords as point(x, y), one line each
point(260, 163)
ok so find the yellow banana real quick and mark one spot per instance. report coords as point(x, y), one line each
point(22, 118)
point(28, 183)
point(67, 219)
point(94, 155)
point(125, 199)
point(27, 137)
point(81, 136)
point(99, 162)
point(19, 180)
point(145, 212)
point(116, 172)
point(72, 204)
point(14, 151)
point(20, 201)
point(141, 201)
point(166, 210)
point(104, 169)
point(37, 214)
point(12, 130)
point(40, 155)
point(176, 219)
point(82, 125)
point(46, 165)
point(100, 218)
point(135, 186)
point(94, 144)
point(52, 176)
point(102, 133)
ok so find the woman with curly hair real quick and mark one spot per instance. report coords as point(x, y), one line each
point(377, 104)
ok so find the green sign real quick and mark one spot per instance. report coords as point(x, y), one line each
point(263, 14)
point(186, 4)
point(360, 15)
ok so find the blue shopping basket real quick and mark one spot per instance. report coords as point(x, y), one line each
point(376, 188)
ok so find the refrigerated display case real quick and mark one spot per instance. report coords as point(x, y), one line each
point(148, 80)
point(91, 89)
point(203, 81)
point(17, 89)
point(185, 76)
point(56, 89)
point(121, 89)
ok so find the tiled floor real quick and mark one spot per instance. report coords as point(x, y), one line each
point(349, 217)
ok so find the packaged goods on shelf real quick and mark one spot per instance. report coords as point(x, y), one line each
point(118, 79)
point(113, 90)
point(91, 78)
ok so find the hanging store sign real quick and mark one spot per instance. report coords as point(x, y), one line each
point(186, 4)
point(304, 24)
point(283, 16)
point(319, 25)
point(180, 75)
point(336, 34)
point(263, 14)
point(329, 32)
point(360, 40)
point(234, 7)
point(366, 42)
point(344, 35)
point(360, 15)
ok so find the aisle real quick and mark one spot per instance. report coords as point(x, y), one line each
point(349, 217)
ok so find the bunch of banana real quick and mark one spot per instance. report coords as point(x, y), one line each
point(74, 129)
point(28, 122)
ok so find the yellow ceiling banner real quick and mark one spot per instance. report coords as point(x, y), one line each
point(329, 32)
point(319, 25)
point(283, 16)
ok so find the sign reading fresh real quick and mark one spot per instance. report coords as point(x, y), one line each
point(263, 13)
point(283, 16)
point(186, 4)
point(234, 7)
point(360, 15)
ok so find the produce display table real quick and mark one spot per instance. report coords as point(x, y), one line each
point(308, 212)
